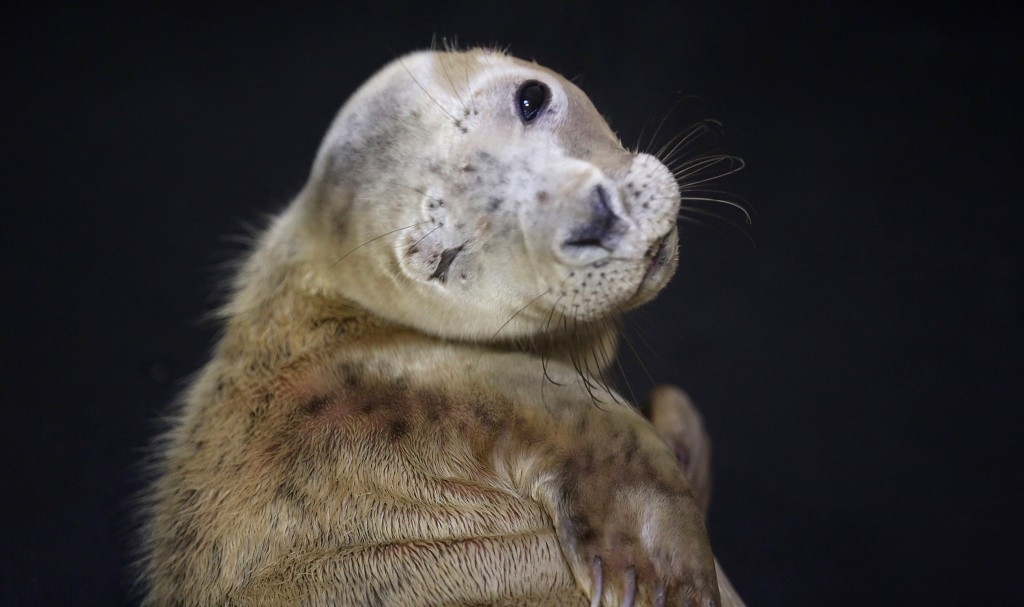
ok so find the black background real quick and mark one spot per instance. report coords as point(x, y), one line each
point(857, 365)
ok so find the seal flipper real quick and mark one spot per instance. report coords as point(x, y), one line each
point(679, 424)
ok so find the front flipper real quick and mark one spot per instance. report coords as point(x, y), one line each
point(679, 424)
point(626, 520)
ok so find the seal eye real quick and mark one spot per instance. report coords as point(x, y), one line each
point(532, 97)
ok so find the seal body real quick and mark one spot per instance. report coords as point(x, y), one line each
point(407, 405)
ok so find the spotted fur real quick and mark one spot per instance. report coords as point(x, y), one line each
point(401, 408)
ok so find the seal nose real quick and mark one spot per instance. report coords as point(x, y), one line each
point(602, 229)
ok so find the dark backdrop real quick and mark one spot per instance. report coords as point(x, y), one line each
point(856, 365)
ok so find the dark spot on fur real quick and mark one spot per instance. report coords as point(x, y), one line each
point(494, 203)
point(632, 442)
point(581, 424)
point(485, 417)
point(187, 499)
point(585, 463)
point(351, 375)
point(315, 405)
point(287, 491)
point(469, 168)
point(434, 407)
point(447, 257)
point(542, 197)
point(254, 418)
point(398, 429)
point(583, 528)
point(630, 456)
point(651, 475)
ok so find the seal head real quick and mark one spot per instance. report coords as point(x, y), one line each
point(470, 192)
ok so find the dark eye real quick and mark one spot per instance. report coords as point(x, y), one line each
point(532, 97)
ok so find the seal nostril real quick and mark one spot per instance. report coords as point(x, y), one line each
point(602, 228)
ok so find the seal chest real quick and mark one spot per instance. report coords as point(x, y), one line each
point(401, 409)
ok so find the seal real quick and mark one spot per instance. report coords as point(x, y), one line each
point(408, 404)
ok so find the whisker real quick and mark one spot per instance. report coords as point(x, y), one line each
point(590, 380)
point(684, 171)
point(547, 327)
point(413, 245)
point(528, 304)
point(654, 136)
point(451, 82)
point(472, 99)
point(373, 239)
point(419, 191)
point(709, 226)
point(605, 360)
point(742, 209)
point(667, 152)
point(426, 92)
point(636, 355)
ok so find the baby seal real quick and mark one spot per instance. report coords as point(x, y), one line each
point(407, 404)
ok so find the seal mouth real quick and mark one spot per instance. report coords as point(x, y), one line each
point(659, 255)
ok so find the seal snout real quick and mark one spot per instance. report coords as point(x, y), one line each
point(603, 228)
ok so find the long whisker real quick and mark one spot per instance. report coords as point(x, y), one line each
point(419, 191)
point(629, 344)
point(528, 304)
point(451, 82)
point(746, 214)
point(683, 171)
point(657, 130)
point(667, 152)
point(544, 367)
point(604, 360)
point(373, 239)
point(413, 245)
point(425, 91)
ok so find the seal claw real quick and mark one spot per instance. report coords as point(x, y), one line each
point(597, 584)
point(630, 594)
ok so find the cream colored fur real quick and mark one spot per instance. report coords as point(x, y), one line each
point(407, 405)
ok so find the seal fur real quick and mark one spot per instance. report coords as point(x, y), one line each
point(401, 408)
